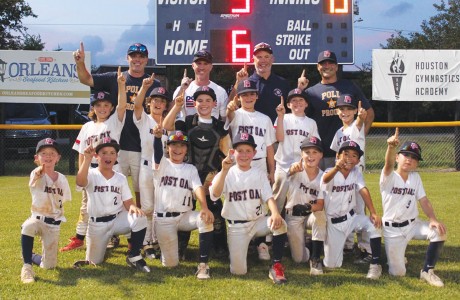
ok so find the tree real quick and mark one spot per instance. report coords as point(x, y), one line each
point(12, 32)
point(33, 42)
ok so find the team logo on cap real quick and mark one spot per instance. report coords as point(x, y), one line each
point(347, 99)
point(205, 88)
point(352, 144)
point(414, 146)
point(106, 140)
point(246, 83)
point(178, 133)
point(297, 91)
point(161, 90)
point(327, 53)
point(100, 95)
point(49, 141)
point(277, 92)
point(313, 140)
point(244, 136)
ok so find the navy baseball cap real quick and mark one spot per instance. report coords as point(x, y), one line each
point(107, 142)
point(48, 142)
point(327, 55)
point(246, 86)
point(138, 48)
point(203, 55)
point(160, 92)
point(351, 145)
point(296, 93)
point(312, 141)
point(206, 90)
point(244, 138)
point(262, 47)
point(177, 136)
point(411, 148)
point(346, 100)
point(99, 96)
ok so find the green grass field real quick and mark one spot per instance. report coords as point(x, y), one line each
point(115, 280)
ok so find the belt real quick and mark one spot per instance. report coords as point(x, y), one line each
point(103, 219)
point(402, 224)
point(342, 218)
point(48, 220)
point(258, 158)
point(169, 214)
point(233, 222)
point(147, 163)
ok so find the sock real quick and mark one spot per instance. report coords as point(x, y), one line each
point(183, 238)
point(27, 243)
point(259, 240)
point(205, 246)
point(278, 247)
point(80, 237)
point(136, 240)
point(376, 248)
point(36, 259)
point(432, 255)
point(317, 249)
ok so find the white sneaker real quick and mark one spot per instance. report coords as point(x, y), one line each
point(263, 252)
point(316, 268)
point(27, 274)
point(431, 278)
point(375, 271)
point(203, 271)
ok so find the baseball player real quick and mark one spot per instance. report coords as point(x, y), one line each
point(303, 197)
point(340, 185)
point(245, 189)
point(111, 208)
point(175, 182)
point(49, 189)
point(401, 190)
point(104, 124)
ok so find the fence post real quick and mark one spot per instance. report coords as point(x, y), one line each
point(2, 140)
point(457, 137)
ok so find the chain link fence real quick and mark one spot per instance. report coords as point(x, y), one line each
point(440, 146)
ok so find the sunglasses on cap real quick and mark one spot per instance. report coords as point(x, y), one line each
point(178, 138)
point(263, 46)
point(137, 48)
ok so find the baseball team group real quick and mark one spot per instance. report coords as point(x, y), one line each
point(266, 167)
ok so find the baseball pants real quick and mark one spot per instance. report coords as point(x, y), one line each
point(146, 190)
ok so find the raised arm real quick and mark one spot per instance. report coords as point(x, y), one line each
point(390, 155)
point(362, 115)
point(302, 82)
point(219, 180)
point(141, 95)
point(281, 111)
point(84, 75)
point(121, 107)
point(240, 75)
point(82, 175)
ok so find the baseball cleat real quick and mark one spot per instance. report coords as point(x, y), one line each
point(138, 263)
point(27, 274)
point(431, 278)
point(316, 267)
point(152, 251)
point(114, 242)
point(262, 249)
point(375, 271)
point(363, 257)
point(75, 243)
point(203, 271)
point(276, 273)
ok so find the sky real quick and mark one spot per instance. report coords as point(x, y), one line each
point(108, 27)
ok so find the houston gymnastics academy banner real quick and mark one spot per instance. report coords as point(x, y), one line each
point(41, 76)
point(415, 75)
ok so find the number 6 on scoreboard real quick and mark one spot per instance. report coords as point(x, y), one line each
point(240, 52)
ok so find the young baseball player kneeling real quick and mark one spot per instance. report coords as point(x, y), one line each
point(244, 190)
point(401, 190)
point(175, 182)
point(340, 185)
point(110, 206)
point(303, 198)
point(49, 190)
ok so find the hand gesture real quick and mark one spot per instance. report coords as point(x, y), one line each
point(242, 74)
point(158, 129)
point(148, 82)
point(340, 163)
point(233, 105)
point(79, 55)
point(180, 99)
point(90, 151)
point(280, 109)
point(296, 167)
point(302, 82)
point(120, 77)
point(393, 141)
point(362, 113)
point(185, 80)
point(228, 161)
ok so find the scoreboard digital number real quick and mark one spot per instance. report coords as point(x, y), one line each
point(297, 30)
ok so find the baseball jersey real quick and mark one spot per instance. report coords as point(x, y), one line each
point(399, 197)
point(48, 196)
point(106, 196)
point(351, 133)
point(244, 193)
point(322, 100)
point(145, 125)
point(174, 186)
point(270, 92)
point(258, 125)
point(92, 131)
point(296, 129)
point(220, 110)
point(302, 190)
point(129, 139)
point(340, 192)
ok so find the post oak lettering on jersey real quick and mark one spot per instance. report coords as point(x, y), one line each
point(107, 188)
point(245, 195)
point(253, 130)
point(308, 190)
point(51, 190)
point(175, 181)
point(343, 188)
point(403, 191)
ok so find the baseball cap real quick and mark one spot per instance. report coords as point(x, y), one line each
point(246, 86)
point(244, 138)
point(327, 55)
point(177, 136)
point(48, 142)
point(160, 92)
point(138, 48)
point(296, 93)
point(262, 47)
point(346, 100)
point(203, 55)
point(99, 96)
point(352, 146)
point(312, 141)
point(107, 142)
point(411, 148)
point(204, 90)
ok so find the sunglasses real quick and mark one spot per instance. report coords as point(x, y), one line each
point(138, 48)
point(262, 46)
point(178, 138)
point(409, 148)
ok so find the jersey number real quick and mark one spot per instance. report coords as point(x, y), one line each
point(259, 210)
point(188, 201)
point(115, 201)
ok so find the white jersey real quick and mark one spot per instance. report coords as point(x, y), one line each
point(351, 133)
point(302, 190)
point(340, 193)
point(145, 125)
point(48, 196)
point(399, 198)
point(244, 193)
point(258, 125)
point(220, 110)
point(106, 196)
point(174, 186)
point(296, 129)
point(92, 131)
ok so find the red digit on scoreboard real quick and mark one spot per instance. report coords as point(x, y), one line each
point(245, 9)
point(240, 51)
point(231, 6)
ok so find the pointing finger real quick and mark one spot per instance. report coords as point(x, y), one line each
point(359, 105)
point(282, 101)
point(397, 132)
point(245, 68)
point(119, 71)
point(82, 48)
point(152, 77)
point(185, 73)
point(303, 73)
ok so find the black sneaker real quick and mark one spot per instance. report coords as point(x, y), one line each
point(138, 263)
point(363, 258)
point(152, 251)
point(114, 242)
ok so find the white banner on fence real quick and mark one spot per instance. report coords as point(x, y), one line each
point(41, 76)
point(415, 75)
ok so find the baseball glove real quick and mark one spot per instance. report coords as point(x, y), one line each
point(301, 210)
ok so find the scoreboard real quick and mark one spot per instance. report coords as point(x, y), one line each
point(297, 30)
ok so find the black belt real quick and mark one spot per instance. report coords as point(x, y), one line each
point(402, 224)
point(342, 218)
point(146, 162)
point(169, 214)
point(237, 221)
point(49, 220)
point(258, 158)
point(104, 219)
